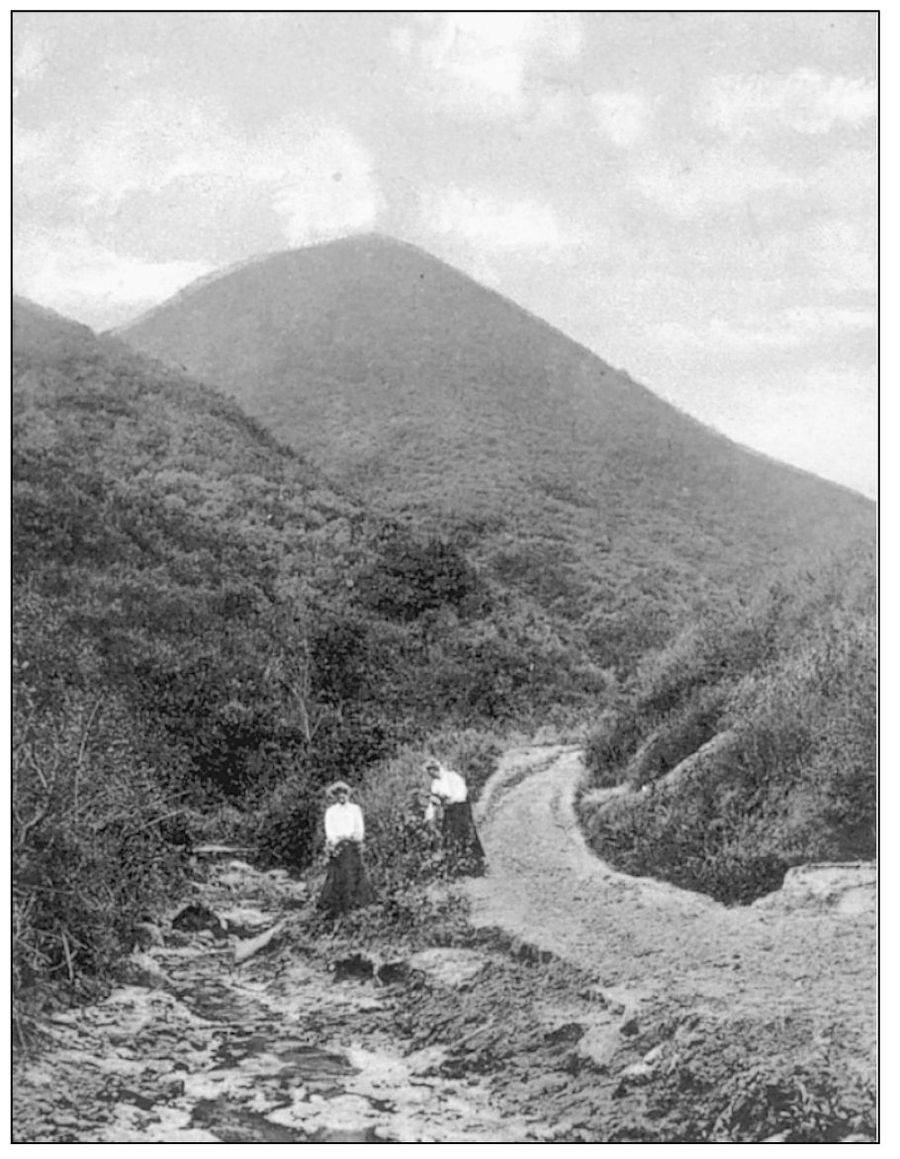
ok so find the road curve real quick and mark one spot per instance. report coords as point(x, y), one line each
point(648, 939)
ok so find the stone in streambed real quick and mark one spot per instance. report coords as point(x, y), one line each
point(359, 966)
point(245, 922)
point(449, 966)
point(195, 917)
point(393, 973)
point(146, 935)
point(637, 1073)
point(141, 970)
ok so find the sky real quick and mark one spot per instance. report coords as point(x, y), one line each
point(693, 196)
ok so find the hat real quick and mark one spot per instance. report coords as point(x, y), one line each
point(337, 787)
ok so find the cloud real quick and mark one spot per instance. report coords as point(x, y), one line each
point(67, 271)
point(622, 117)
point(496, 223)
point(844, 254)
point(476, 64)
point(820, 416)
point(846, 181)
point(324, 182)
point(791, 327)
point(317, 178)
point(823, 419)
point(803, 102)
point(814, 319)
point(31, 57)
point(144, 146)
point(711, 180)
point(29, 146)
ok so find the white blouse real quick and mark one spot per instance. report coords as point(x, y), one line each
point(447, 788)
point(343, 823)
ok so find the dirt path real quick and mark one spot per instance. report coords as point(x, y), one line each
point(580, 1017)
point(806, 954)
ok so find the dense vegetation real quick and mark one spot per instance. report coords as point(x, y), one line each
point(208, 629)
point(754, 737)
point(441, 402)
point(200, 621)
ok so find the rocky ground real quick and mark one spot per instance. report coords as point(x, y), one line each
point(553, 1000)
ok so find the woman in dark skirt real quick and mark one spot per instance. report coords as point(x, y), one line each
point(449, 794)
point(346, 884)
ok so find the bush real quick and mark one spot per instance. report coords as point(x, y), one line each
point(730, 1083)
point(412, 576)
point(284, 827)
point(801, 1103)
point(790, 684)
point(400, 849)
point(94, 843)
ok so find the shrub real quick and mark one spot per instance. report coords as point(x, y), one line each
point(411, 576)
point(801, 1103)
point(283, 828)
point(93, 842)
point(790, 683)
point(608, 744)
point(401, 849)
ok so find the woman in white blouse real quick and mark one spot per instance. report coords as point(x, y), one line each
point(346, 884)
point(448, 795)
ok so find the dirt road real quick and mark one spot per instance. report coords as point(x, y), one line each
point(805, 954)
point(449, 1033)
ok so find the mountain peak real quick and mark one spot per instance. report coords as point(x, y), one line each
point(402, 376)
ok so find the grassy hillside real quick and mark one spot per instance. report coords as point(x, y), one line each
point(445, 404)
point(198, 617)
point(753, 739)
point(205, 615)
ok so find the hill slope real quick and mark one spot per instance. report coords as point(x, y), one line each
point(169, 550)
point(445, 402)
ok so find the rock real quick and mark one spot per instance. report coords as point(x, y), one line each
point(526, 952)
point(629, 1028)
point(599, 1045)
point(653, 1056)
point(196, 916)
point(141, 970)
point(232, 879)
point(254, 946)
point(214, 852)
point(603, 999)
point(449, 966)
point(392, 973)
point(137, 1099)
point(244, 922)
point(353, 966)
point(567, 1033)
point(596, 994)
point(146, 935)
point(637, 1073)
point(844, 887)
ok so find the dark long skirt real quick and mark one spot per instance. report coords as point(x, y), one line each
point(346, 885)
point(462, 848)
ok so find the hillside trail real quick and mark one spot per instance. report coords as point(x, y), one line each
point(257, 1026)
point(805, 954)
